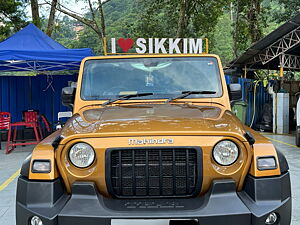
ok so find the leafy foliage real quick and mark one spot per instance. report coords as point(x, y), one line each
point(283, 10)
point(12, 17)
point(231, 25)
point(181, 18)
point(249, 22)
point(221, 42)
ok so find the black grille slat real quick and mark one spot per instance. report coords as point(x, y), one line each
point(174, 172)
point(187, 171)
point(147, 172)
point(160, 172)
point(154, 172)
point(120, 173)
point(133, 173)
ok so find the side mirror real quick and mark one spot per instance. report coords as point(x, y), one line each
point(235, 92)
point(68, 96)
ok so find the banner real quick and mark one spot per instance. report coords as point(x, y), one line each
point(157, 45)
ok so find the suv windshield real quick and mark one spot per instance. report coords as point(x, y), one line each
point(164, 77)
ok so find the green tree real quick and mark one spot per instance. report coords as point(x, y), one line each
point(180, 18)
point(12, 17)
point(231, 25)
point(120, 18)
point(51, 18)
point(222, 40)
point(64, 32)
point(285, 10)
point(35, 13)
point(94, 19)
point(249, 23)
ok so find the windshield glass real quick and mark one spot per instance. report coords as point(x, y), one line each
point(164, 77)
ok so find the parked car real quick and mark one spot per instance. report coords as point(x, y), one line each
point(152, 137)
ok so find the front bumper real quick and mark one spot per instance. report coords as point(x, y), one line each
point(222, 205)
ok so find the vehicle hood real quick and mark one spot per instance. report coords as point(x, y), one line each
point(158, 119)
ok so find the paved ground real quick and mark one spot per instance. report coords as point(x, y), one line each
point(292, 154)
point(9, 164)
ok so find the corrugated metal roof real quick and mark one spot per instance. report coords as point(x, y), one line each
point(264, 43)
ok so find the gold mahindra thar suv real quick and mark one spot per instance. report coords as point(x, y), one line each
point(152, 137)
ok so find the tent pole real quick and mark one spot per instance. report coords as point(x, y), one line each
point(53, 108)
point(30, 93)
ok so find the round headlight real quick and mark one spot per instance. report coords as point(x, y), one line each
point(82, 155)
point(225, 153)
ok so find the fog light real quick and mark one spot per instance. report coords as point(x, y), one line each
point(271, 219)
point(266, 163)
point(41, 166)
point(36, 221)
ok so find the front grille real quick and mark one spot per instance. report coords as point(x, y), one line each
point(154, 172)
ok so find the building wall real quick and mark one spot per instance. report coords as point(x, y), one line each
point(262, 97)
point(44, 93)
point(38, 92)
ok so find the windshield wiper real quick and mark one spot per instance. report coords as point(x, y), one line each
point(187, 93)
point(124, 97)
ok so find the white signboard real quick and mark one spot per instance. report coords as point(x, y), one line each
point(158, 45)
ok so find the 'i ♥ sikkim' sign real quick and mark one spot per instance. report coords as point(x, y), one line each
point(158, 45)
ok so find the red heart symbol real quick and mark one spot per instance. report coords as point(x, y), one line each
point(125, 44)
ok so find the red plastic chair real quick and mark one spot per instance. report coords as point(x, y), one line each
point(32, 116)
point(46, 123)
point(4, 122)
point(30, 120)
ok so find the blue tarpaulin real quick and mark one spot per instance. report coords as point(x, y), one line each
point(18, 94)
point(32, 50)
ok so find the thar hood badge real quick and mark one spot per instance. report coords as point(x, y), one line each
point(150, 141)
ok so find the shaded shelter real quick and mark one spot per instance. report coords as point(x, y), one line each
point(32, 50)
point(279, 49)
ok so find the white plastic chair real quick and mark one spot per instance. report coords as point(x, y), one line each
point(61, 115)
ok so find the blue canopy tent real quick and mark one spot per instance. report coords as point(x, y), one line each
point(32, 50)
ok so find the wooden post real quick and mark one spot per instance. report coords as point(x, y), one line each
point(105, 46)
point(206, 46)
